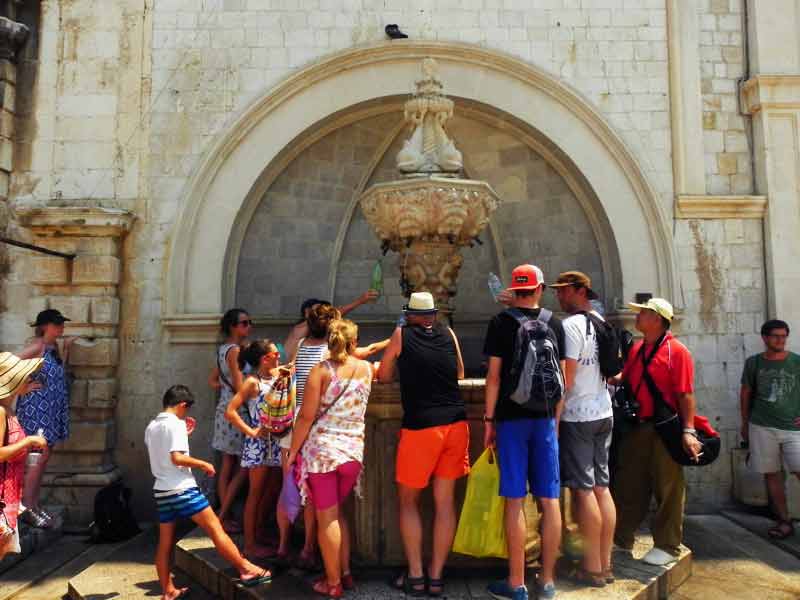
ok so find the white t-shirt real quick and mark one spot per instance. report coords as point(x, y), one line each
point(588, 399)
point(167, 433)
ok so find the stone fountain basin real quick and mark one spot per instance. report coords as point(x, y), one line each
point(429, 208)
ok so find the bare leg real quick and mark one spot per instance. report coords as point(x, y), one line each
point(310, 522)
point(551, 538)
point(444, 524)
point(239, 476)
point(284, 529)
point(33, 480)
point(411, 528)
point(166, 538)
point(330, 543)
point(344, 553)
point(515, 536)
point(777, 493)
point(251, 515)
point(226, 469)
point(224, 544)
point(609, 514)
point(590, 522)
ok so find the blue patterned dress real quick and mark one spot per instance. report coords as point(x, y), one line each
point(48, 408)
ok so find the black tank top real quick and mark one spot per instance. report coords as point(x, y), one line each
point(428, 369)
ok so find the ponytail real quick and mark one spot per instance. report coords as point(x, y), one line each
point(342, 339)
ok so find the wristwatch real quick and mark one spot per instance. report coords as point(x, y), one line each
point(488, 419)
point(690, 431)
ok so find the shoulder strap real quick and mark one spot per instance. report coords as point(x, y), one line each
point(544, 315)
point(517, 314)
point(335, 400)
point(222, 373)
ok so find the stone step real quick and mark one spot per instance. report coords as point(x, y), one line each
point(26, 575)
point(195, 554)
point(127, 572)
point(32, 540)
point(759, 525)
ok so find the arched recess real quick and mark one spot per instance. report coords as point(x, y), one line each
point(234, 169)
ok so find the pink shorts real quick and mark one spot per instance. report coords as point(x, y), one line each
point(332, 488)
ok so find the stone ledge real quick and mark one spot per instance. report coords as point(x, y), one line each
point(721, 207)
point(195, 554)
point(75, 220)
point(765, 92)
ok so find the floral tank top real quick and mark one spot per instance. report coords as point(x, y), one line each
point(337, 436)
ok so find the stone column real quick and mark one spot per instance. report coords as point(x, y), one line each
point(772, 96)
point(85, 289)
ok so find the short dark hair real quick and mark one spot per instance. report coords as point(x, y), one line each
point(525, 293)
point(773, 324)
point(308, 303)
point(176, 395)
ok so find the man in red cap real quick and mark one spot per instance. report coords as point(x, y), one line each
point(526, 439)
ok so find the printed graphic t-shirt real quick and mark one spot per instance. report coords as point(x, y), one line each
point(776, 391)
point(588, 399)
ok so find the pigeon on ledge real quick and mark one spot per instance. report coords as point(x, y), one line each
point(393, 31)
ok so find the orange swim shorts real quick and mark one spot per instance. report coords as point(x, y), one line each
point(441, 451)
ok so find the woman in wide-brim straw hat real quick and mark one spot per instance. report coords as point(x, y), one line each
point(46, 408)
point(15, 379)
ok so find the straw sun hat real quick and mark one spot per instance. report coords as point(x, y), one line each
point(14, 371)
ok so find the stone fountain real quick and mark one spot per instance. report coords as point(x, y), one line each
point(431, 212)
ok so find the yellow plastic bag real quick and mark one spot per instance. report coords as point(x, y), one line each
point(481, 531)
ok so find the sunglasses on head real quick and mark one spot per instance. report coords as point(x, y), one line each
point(247, 322)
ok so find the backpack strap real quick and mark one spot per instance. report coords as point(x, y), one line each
point(544, 315)
point(517, 314)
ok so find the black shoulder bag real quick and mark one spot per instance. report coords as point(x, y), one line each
point(668, 424)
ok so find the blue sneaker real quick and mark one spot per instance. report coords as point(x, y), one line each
point(502, 591)
point(546, 591)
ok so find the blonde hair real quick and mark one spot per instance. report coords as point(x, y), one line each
point(342, 339)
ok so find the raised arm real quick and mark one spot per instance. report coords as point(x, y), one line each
point(365, 352)
point(32, 350)
point(386, 370)
point(368, 296)
point(297, 333)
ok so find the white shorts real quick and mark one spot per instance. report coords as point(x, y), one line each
point(767, 444)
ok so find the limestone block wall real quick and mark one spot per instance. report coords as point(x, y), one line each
point(726, 131)
point(723, 281)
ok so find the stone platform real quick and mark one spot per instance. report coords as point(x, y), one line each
point(32, 540)
point(196, 556)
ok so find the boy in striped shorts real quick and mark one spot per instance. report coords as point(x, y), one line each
point(177, 495)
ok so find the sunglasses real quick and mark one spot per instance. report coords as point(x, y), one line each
point(247, 322)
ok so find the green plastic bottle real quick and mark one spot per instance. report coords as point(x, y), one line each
point(377, 277)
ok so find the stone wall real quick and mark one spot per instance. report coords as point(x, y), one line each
point(726, 131)
point(724, 291)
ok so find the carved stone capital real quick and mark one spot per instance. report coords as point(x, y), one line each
point(12, 36)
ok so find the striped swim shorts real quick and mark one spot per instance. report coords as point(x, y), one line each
point(176, 504)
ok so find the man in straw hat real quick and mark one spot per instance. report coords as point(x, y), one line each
point(645, 468)
point(434, 439)
point(526, 440)
point(15, 380)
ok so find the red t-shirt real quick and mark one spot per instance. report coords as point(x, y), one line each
point(672, 370)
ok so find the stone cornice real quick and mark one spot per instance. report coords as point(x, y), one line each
point(75, 220)
point(721, 207)
point(770, 92)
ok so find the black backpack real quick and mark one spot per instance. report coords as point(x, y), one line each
point(113, 518)
point(613, 344)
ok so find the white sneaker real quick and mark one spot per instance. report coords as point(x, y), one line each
point(658, 557)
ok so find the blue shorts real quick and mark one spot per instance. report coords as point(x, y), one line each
point(528, 454)
point(177, 504)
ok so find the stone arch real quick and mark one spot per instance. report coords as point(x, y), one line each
point(232, 176)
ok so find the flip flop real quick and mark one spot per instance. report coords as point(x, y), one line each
point(257, 580)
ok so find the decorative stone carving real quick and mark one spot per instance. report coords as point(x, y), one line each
point(428, 216)
point(429, 149)
point(12, 37)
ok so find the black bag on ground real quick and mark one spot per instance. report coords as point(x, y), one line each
point(113, 517)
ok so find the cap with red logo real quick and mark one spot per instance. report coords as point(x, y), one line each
point(526, 277)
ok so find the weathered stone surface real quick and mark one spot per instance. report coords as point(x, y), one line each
point(96, 270)
point(102, 393)
point(49, 270)
point(105, 311)
point(99, 353)
point(89, 437)
point(75, 308)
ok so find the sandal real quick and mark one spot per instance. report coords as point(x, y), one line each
point(608, 575)
point(265, 577)
point(323, 588)
point(436, 583)
point(348, 583)
point(781, 531)
point(410, 586)
point(590, 578)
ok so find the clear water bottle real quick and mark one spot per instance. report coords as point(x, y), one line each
point(401, 320)
point(495, 285)
point(35, 455)
point(377, 277)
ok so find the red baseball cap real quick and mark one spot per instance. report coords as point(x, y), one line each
point(526, 277)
